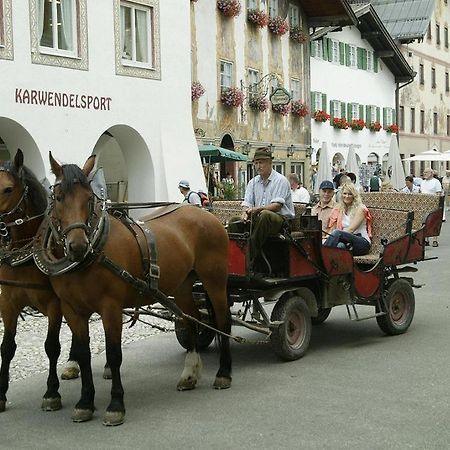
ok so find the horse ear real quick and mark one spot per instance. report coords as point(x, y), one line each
point(56, 168)
point(18, 159)
point(89, 165)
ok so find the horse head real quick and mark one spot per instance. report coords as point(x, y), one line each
point(72, 207)
point(12, 188)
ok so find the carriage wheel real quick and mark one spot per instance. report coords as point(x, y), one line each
point(291, 339)
point(321, 316)
point(204, 337)
point(400, 305)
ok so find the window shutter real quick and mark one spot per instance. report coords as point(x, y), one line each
point(359, 54)
point(385, 124)
point(349, 112)
point(342, 53)
point(347, 54)
point(313, 49)
point(378, 113)
point(343, 114)
point(330, 50)
point(364, 59)
point(368, 115)
point(324, 49)
point(394, 116)
point(313, 99)
point(331, 111)
point(375, 64)
point(324, 102)
point(361, 112)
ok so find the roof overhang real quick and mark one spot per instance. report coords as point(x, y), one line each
point(328, 13)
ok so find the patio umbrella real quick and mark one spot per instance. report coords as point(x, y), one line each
point(430, 155)
point(324, 172)
point(397, 177)
point(352, 163)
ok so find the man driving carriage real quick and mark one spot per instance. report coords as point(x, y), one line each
point(266, 206)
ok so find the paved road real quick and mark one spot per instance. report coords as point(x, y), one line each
point(355, 388)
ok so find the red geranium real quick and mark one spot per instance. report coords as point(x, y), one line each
point(299, 108)
point(357, 124)
point(340, 122)
point(374, 126)
point(321, 116)
point(278, 26)
point(232, 97)
point(259, 18)
point(393, 128)
point(229, 8)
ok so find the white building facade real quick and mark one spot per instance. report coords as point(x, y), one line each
point(111, 78)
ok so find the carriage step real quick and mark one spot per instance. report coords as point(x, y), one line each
point(355, 316)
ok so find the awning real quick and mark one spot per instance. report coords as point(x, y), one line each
point(213, 154)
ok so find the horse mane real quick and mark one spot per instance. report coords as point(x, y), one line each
point(72, 174)
point(37, 193)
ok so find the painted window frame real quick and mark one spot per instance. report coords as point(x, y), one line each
point(253, 80)
point(281, 165)
point(317, 48)
point(370, 61)
point(353, 56)
point(299, 169)
point(296, 89)
point(225, 79)
point(6, 47)
point(124, 67)
point(355, 111)
point(335, 51)
point(294, 15)
point(273, 8)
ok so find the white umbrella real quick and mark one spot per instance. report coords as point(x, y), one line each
point(397, 177)
point(430, 155)
point(324, 172)
point(352, 163)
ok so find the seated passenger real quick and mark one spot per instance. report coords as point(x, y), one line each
point(350, 223)
point(325, 205)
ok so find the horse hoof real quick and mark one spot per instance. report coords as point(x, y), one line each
point(113, 418)
point(186, 385)
point(2, 405)
point(107, 375)
point(82, 415)
point(222, 383)
point(51, 404)
point(70, 373)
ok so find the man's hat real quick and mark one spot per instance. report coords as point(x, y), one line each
point(184, 184)
point(326, 184)
point(263, 153)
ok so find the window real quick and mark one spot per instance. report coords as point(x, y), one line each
point(421, 75)
point(318, 101)
point(253, 78)
point(429, 31)
point(448, 124)
point(433, 78)
point(446, 37)
point(335, 108)
point(447, 86)
point(299, 169)
point(401, 118)
point(317, 48)
point(294, 16)
point(252, 4)
point(136, 23)
point(57, 26)
point(353, 56)
point(372, 114)
point(438, 34)
point(226, 75)
point(335, 56)
point(370, 61)
point(435, 123)
point(273, 8)
point(388, 116)
point(295, 89)
point(422, 121)
point(354, 111)
point(413, 120)
point(279, 167)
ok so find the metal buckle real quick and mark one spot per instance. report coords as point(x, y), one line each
point(19, 221)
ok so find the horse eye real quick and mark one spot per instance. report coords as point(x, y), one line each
point(59, 197)
point(7, 190)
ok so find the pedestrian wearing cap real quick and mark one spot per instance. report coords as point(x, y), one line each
point(266, 206)
point(325, 205)
point(190, 197)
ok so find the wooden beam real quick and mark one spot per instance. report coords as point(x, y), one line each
point(371, 34)
point(384, 53)
point(328, 21)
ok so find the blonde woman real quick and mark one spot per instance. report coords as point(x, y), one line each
point(350, 222)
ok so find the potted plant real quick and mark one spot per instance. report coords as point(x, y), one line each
point(259, 18)
point(340, 123)
point(284, 110)
point(321, 116)
point(296, 34)
point(393, 128)
point(278, 26)
point(197, 90)
point(232, 97)
point(357, 124)
point(374, 126)
point(299, 108)
point(229, 8)
point(259, 103)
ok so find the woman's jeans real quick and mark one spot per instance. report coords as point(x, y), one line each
point(343, 239)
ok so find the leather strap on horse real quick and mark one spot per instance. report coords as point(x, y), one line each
point(21, 284)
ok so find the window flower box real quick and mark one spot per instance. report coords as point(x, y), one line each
point(278, 26)
point(232, 97)
point(197, 90)
point(393, 128)
point(357, 124)
point(374, 126)
point(296, 34)
point(299, 108)
point(229, 8)
point(259, 103)
point(321, 116)
point(340, 123)
point(259, 18)
point(284, 110)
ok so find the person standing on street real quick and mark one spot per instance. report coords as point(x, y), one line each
point(431, 185)
point(190, 197)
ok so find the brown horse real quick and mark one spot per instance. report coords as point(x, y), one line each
point(191, 244)
point(23, 203)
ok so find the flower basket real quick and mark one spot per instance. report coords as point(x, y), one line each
point(393, 128)
point(259, 18)
point(299, 108)
point(321, 116)
point(197, 90)
point(278, 26)
point(296, 34)
point(284, 110)
point(229, 8)
point(357, 124)
point(374, 126)
point(259, 103)
point(232, 97)
point(340, 123)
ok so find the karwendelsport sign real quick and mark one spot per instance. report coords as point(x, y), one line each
point(280, 96)
point(62, 99)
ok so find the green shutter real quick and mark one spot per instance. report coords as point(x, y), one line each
point(313, 49)
point(343, 114)
point(364, 59)
point(368, 115)
point(331, 111)
point(361, 112)
point(330, 50)
point(313, 98)
point(324, 102)
point(324, 48)
point(342, 53)
point(378, 113)
point(385, 124)
point(375, 64)
point(347, 54)
point(349, 112)
point(359, 57)
point(394, 116)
